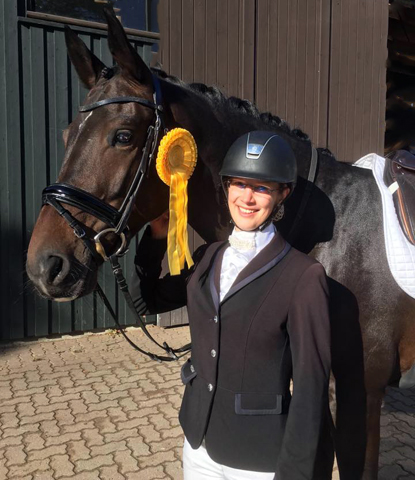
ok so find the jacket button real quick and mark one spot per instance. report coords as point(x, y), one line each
point(213, 353)
point(192, 368)
point(215, 319)
point(210, 387)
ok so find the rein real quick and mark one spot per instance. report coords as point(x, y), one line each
point(116, 220)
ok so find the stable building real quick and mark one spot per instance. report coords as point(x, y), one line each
point(319, 64)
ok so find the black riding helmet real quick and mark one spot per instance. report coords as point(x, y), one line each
point(261, 155)
point(264, 156)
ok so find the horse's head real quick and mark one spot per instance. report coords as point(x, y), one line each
point(104, 147)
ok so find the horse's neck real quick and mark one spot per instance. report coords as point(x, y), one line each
point(214, 132)
point(194, 112)
point(208, 214)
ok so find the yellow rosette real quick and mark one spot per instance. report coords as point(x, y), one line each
point(176, 160)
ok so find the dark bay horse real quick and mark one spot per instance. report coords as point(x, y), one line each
point(373, 321)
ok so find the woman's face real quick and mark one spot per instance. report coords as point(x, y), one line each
point(251, 201)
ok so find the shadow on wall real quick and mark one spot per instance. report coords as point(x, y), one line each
point(12, 281)
point(22, 312)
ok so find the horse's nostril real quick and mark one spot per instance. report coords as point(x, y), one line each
point(56, 269)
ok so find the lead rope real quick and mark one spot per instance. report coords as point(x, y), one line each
point(122, 284)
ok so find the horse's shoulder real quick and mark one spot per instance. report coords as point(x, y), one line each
point(301, 262)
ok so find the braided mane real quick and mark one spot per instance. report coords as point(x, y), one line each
point(216, 96)
point(233, 104)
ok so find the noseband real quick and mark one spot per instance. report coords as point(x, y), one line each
point(116, 220)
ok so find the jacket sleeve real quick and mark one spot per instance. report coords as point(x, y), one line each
point(308, 328)
point(150, 293)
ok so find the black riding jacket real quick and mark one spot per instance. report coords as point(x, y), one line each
point(271, 327)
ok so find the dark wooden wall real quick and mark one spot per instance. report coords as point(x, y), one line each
point(319, 64)
point(39, 95)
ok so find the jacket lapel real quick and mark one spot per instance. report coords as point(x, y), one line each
point(267, 258)
point(214, 274)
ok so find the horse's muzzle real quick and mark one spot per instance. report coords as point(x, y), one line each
point(58, 276)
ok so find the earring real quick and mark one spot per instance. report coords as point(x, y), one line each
point(279, 214)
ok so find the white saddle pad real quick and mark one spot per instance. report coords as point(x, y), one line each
point(400, 252)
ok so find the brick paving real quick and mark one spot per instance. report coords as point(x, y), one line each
point(397, 449)
point(90, 407)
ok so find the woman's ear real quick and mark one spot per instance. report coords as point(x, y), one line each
point(285, 191)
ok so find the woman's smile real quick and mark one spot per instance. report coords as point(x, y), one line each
point(246, 211)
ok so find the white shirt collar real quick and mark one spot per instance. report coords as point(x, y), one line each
point(260, 238)
point(235, 260)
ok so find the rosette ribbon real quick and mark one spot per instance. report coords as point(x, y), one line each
point(176, 161)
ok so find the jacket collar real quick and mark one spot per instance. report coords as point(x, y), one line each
point(267, 258)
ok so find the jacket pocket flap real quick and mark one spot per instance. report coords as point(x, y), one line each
point(188, 372)
point(258, 404)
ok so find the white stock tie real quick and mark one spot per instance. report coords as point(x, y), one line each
point(244, 246)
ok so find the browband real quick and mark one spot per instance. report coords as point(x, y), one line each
point(107, 101)
point(156, 105)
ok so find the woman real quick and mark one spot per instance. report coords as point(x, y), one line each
point(258, 314)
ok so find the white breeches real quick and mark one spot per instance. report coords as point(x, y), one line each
point(197, 465)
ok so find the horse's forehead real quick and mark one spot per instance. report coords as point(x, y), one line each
point(118, 86)
point(93, 126)
point(110, 89)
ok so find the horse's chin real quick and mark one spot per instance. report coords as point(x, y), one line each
point(65, 299)
point(79, 289)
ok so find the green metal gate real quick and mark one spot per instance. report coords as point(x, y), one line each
point(39, 96)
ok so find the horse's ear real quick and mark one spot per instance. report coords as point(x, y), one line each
point(87, 65)
point(124, 54)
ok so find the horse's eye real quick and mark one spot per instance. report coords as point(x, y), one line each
point(123, 137)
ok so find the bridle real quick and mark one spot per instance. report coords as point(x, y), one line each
point(116, 220)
